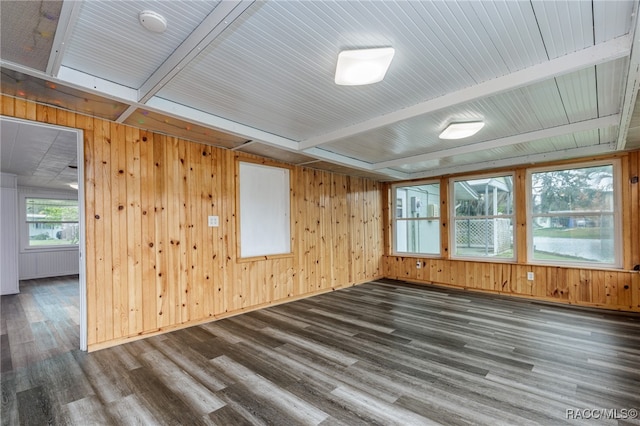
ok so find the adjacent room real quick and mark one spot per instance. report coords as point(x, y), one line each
point(312, 212)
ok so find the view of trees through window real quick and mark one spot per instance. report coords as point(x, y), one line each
point(573, 214)
point(52, 222)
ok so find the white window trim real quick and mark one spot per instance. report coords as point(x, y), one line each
point(617, 213)
point(394, 219)
point(24, 228)
point(452, 219)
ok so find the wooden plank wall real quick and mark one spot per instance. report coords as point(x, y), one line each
point(153, 265)
point(611, 289)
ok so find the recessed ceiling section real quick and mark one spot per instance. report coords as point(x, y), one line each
point(153, 121)
point(42, 91)
point(549, 104)
point(28, 29)
point(548, 78)
point(274, 70)
point(108, 41)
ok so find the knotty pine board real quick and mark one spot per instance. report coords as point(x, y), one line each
point(154, 265)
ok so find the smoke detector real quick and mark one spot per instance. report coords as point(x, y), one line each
point(152, 21)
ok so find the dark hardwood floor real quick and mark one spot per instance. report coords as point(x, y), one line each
point(379, 353)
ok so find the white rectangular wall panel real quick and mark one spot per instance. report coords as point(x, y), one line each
point(8, 235)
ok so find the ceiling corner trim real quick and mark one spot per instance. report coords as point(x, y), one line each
point(183, 112)
point(66, 22)
point(594, 55)
point(80, 81)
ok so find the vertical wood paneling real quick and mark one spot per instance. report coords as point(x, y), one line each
point(148, 303)
point(632, 209)
point(339, 231)
point(104, 287)
point(174, 229)
point(159, 202)
point(520, 219)
point(9, 106)
point(119, 232)
point(134, 230)
point(164, 304)
point(444, 219)
point(588, 287)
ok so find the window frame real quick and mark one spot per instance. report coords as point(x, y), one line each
point(616, 213)
point(24, 223)
point(395, 219)
point(453, 217)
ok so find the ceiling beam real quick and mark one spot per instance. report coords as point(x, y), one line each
point(354, 163)
point(96, 85)
point(224, 14)
point(563, 154)
point(66, 22)
point(598, 54)
point(582, 126)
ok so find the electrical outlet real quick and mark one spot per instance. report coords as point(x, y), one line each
point(418, 265)
point(529, 276)
point(213, 221)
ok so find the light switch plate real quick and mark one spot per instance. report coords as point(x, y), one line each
point(529, 276)
point(213, 221)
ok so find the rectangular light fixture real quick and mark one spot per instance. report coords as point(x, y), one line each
point(363, 66)
point(461, 130)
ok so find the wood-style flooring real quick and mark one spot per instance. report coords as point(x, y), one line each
point(380, 353)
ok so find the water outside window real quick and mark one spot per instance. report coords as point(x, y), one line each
point(573, 215)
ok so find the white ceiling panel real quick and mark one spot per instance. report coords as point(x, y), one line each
point(513, 30)
point(579, 94)
point(611, 83)
point(519, 111)
point(109, 42)
point(612, 19)
point(566, 26)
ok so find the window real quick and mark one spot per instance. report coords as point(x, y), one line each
point(417, 218)
point(572, 214)
point(51, 222)
point(482, 213)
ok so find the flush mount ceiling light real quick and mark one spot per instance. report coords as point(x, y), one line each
point(461, 130)
point(152, 21)
point(363, 66)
